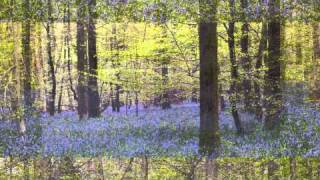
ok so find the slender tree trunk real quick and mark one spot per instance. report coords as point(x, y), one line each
point(273, 74)
point(16, 94)
point(165, 99)
point(260, 57)
point(315, 88)
point(93, 94)
point(37, 65)
point(262, 46)
point(27, 58)
point(81, 64)
point(316, 41)
point(115, 47)
point(52, 76)
point(60, 96)
point(209, 96)
point(112, 98)
point(127, 102)
point(68, 40)
point(222, 102)
point(117, 98)
point(41, 71)
point(298, 48)
point(165, 104)
point(234, 97)
point(136, 101)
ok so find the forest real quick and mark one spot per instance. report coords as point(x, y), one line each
point(159, 89)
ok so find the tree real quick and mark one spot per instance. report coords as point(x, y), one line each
point(165, 60)
point(69, 61)
point(234, 97)
point(52, 76)
point(245, 58)
point(316, 60)
point(93, 94)
point(82, 60)
point(27, 58)
point(209, 96)
point(316, 40)
point(273, 74)
point(114, 46)
point(261, 55)
point(16, 71)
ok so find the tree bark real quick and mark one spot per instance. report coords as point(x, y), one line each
point(233, 97)
point(115, 47)
point(60, 96)
point(273, 74)
point(315, 88)
point(209, 96)
point(81, 64)
point(27, 58)
point(68, 40)
point(52, 76)
point(93, 94)
point(16, 73)
point(165, 99)
point(245, 58)
point(299, 54)
point(165, 104)
point(260, 57)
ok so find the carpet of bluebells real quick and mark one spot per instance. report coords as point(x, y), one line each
point(154, 132)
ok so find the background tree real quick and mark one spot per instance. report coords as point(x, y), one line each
point(316, 60)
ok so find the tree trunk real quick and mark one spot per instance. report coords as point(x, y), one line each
point(52, 76)
point(165, 99)
point(16, 83)
point(136, 102)
point(165, 104)
point(117, 98)
point(60, 96)
point(260, 57)
point(245, 59)
point(316, 40)
point(315, 88)
point(233, 97)
point(273, 74)
point(115, 47)
point(209, 96)
point(298, 47)
point(27, 58)
point(81, 64)
point(68, 40)
point(93, 94)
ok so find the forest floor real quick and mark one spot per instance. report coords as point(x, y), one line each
point(169, 139)
point(174, 132)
